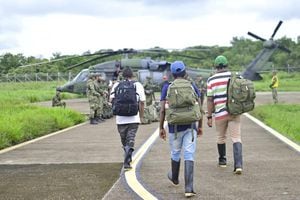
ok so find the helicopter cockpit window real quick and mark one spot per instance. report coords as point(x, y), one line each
point(82, 76)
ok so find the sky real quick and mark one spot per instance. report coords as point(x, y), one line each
point(42, 27)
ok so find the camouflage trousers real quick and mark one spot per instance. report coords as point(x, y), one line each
point(127, 133)
point(99, 107)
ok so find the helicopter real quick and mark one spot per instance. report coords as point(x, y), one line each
point(143, 68)
point(259, 63)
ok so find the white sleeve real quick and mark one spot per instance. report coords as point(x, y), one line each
point(140, 91)
point(112, 92)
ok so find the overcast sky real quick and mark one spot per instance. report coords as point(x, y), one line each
point(42, 27)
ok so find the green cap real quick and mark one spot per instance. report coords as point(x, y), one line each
point(221, 61)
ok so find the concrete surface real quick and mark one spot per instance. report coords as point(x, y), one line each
point(271, 168)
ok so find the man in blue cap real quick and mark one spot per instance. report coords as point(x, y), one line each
point(181, 135)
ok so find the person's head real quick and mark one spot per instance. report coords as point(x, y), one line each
point(199, 77)
point(274, 73)
point(221, 62)
point(127, 73)
point(165, 78)
point(178, 69)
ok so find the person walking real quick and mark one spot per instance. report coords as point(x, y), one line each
point(181, 136)
point(274, 85)
point(128, 99)
point(216, 102)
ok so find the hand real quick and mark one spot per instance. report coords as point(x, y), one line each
point(199, 131)
point(209, 122)
point(162, 134)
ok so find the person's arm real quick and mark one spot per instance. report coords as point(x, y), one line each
point(162, 131)
point(200, 122)
point(141, 109)
point(210, 109)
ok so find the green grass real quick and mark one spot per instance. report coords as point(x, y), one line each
point(281, 117)
point(287, 82)
point(21, 121)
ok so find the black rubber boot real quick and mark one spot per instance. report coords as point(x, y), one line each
point(189, 178)
point(93, 121)
point(174, 173)
point(128, 157)
point(238, 158)
point(222, 155)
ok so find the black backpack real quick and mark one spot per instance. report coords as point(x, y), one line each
point(125, 102)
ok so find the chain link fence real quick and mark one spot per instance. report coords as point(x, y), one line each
point(37, 77)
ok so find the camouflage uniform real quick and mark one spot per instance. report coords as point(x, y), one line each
point(201, 84)
point(92, 96)
point(99, 87)
point(56, 100)
point(148, 86)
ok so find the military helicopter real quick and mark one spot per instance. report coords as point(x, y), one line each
point(144, 68)
point(259, 63)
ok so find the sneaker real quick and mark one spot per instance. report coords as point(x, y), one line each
point(238, 171)
point(189, 194)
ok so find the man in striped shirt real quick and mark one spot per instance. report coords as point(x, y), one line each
point(216, 102)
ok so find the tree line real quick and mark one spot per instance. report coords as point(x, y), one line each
point(241, 52)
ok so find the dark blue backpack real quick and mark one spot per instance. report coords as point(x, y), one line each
point(125, 102)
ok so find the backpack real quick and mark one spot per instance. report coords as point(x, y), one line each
point(240, 95)
point(182, 103)
point(125, 102)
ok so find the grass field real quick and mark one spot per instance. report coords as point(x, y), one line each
point(287, 82)
point(21, 121)
point(283, 118)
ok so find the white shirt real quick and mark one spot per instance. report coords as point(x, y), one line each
point(140, 97)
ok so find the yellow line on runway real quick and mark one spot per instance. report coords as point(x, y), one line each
point(130, 175)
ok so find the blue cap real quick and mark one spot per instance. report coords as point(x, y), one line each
point(177, 67)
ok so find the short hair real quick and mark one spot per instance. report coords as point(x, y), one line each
point(127, 72)
point(180, 74)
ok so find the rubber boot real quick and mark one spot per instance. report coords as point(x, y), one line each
point(238, 158)
point(174, 173)
point(98, 119)
point(189, 178)
point(93, 121)
point(128, 157)
point(222, 155)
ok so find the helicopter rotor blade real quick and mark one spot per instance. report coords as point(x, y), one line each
point(54, 60)
point(186, 56)
point(90, 60)
point(257, 37)
point(284, 49)
point(276, 29)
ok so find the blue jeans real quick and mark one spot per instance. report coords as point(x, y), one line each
point(183, 141)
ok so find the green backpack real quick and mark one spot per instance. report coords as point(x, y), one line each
point(182, 103)
point(240, 95)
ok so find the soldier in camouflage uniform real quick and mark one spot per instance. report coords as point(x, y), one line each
point(56, 100)
point(201, 84)
point(99, 87)
point(92, 96)
point(149, 86)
